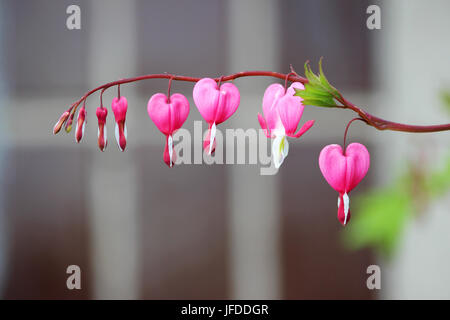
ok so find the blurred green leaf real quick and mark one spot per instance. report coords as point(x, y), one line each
point(382, 214)
point(380, 219)
point(445, 96)
point(438, 182)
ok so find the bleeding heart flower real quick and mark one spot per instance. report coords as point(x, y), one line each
point(343, 172)
point(282, 113)
point(102, 136)
point(168, 115)
point(215, 105)
point(119, 107)
point(81, 123)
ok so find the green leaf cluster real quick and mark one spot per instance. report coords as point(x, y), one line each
point(318, 91)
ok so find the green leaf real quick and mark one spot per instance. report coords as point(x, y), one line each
point(325, 83)
point(318, 91)
point(319, 102)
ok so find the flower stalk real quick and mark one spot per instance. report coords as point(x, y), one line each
point(371, 120)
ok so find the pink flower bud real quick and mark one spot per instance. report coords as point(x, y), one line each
point(81, 123)
point(119, 107)
point(102, 136)
point(68, 126)
point(60, 122)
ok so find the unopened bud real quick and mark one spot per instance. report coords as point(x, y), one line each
point(60, 122)
point(79, 132)
point(69, 123)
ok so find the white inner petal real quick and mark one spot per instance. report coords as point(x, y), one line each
point(105, 134)
point(280, 149)
point(125, 132)
point(117, 136)
point(76, 131)
point(339, 201)
point(170, 142)
point(346, 206)
point(212, 137)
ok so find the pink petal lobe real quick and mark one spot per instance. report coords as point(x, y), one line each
point(290, 108)
point(214, 104)
point(358, 163)
point(229, 99)
point(333, 166)
point(308, 124)
point(263, 124)
point(271, 96)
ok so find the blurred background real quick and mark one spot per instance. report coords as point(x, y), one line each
point(139, 230)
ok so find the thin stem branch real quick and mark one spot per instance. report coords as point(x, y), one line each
point(370, 120)
point(346, 130)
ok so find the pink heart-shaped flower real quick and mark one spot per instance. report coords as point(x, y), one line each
point(168, 116)
point(344, 172)
point(283, 111)
point(215, 105)
point(282, 114)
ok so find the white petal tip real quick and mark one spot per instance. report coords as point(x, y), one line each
point(170, 142)
point(212, 137)
point(346, 206)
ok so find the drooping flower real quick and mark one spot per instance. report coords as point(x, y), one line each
point(343, 172)
point(119, 107)
point(102, 135)
point(282, 113)
point(215, 105)
point(62, 119)
point(168, 114)
point(81, 124)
